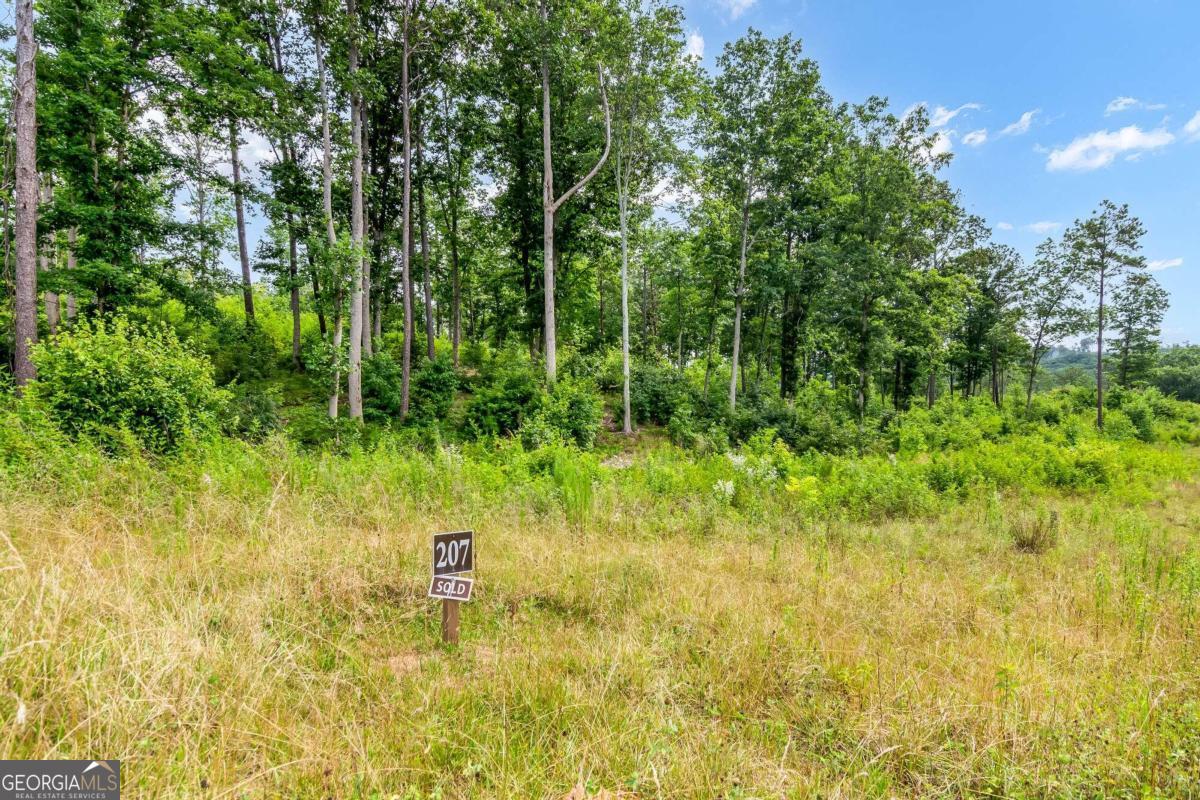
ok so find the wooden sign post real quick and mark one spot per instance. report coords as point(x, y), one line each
point(453, 554)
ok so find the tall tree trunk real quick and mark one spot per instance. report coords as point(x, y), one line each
point(354, 378)
point(53, 306)
point(762, 346)
point(455, 291)
point(737, 302)
point(406, 213)
point(72, 308)
point(995, 366)
point(548, 323)
point(430, 330)
point(679, 320)
point(294, 283)
point(623, 213)
point(316, 290)
point(240, 213)
point(330, 231)
point(26, 192)
point(550, 205)
point(1100, 357)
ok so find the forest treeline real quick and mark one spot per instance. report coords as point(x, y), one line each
point(458, 193)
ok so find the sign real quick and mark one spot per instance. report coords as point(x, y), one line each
point(60, 780)
point(453, 553)
point(451, 587)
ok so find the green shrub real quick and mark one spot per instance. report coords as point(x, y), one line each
point(100, 378)
point(571, 411)
point(242, 351)
point(503, 401)
point(655, 392)
point(312, 427)
point(382, 388)
point(253, 412)
point(434, 386)
point(682, 427)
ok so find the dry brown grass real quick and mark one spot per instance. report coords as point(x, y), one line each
point(272, 639)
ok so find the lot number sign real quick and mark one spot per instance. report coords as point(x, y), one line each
point(453, 554)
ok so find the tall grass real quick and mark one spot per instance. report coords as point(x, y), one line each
point(251, 622)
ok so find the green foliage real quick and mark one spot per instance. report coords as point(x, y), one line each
point(99, 379)
point(571, 413)
point(507, 397)
point(656, 391)
point(242, 351)
point(311, 427)
point(382, 380)
point(434, 386)
point(253, 411)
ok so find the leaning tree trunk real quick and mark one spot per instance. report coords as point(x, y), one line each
point(26, 191)
point(240, 213)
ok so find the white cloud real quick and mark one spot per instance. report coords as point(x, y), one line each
point(1043, 227)
point(941, 115)
point(1099, 149)
point(695, 44)
point(1159, 265)
point(1124, 103)
point(1004, 226)
point(735, 8)
point(1021, 125)
point(976, 138)
point(942, 143)
point(1192, 129)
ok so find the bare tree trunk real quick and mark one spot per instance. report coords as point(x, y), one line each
point(737, 302)
point(623, 213)
point(406, 214)
point(456, 292)
point(53, 307)
point(354, 378)
point(72, 235)
point(550, 205)
point(294, 282)
point(548, 322)
point(330, 231)
point(367, 290)
point(26, 191)
point(240, 213)
point(1100, 357)
point(430, 330)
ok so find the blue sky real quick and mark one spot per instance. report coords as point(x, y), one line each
point(1049, 107)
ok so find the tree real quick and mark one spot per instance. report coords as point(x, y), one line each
point(648, 77)
point(763, 87)
point(1107, 245)
point(354, 377)
point(1138, 307)
point(1051, 305)
point(26, 195)
point(550, 203)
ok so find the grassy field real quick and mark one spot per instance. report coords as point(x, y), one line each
point(251, 622)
